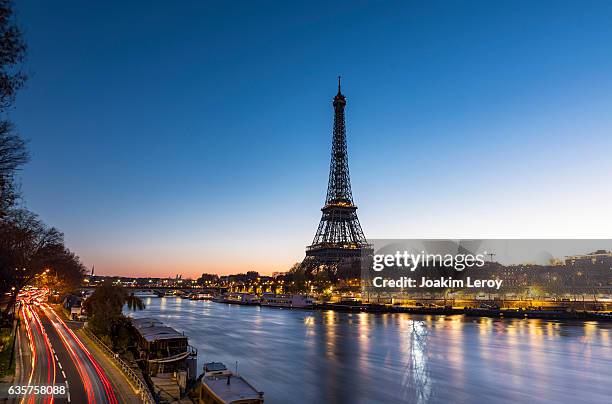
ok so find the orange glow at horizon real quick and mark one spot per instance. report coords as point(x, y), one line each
point(163, 269)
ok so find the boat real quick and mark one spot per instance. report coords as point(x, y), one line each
point(289, 301)
point(159, 293)
point(238, 298)
point(218, 385)
point(242, 298)
point(165, 357)
point(350, 300)
point(201, 296)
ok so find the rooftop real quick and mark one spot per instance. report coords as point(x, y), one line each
point(152, 329)
point(238, 389)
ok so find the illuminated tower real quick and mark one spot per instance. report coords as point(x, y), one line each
point(339, 235)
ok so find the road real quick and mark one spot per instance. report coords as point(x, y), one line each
point(58, 357)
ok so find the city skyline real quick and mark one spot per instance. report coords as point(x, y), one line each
point(204, 147)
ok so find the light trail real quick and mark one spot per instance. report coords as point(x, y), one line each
point(64, 331)
point(96, 385)
point(26, 316)
point(84, 376)
point(37, 332)
point(51, 369)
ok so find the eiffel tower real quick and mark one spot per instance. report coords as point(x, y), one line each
point(339, 236)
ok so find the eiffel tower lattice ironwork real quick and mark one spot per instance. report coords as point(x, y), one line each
point(339, 235)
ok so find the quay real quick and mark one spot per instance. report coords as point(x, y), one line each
point(489, 308)
point(541, 313)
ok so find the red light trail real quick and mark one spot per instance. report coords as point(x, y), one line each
point(89, 373)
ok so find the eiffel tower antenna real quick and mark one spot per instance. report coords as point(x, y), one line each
point(339, 235)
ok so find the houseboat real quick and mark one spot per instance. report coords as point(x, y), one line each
point(289, 301)
point(165, 357)
point(239, 298)
point(201, 296)
point(221, 386)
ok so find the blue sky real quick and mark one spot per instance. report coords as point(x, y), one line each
point(190, 137)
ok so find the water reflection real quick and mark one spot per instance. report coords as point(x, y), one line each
point(419, 363)
point(316, 357)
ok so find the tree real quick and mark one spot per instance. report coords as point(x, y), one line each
point(64, 271)
point(28, 247)
point(206, 279)
point(17, 232)
point(104, 308)
point(31, 250)
point(13, 153)
point(134, 302)
point(12, 55)
point(295, 279)
point(25, 246)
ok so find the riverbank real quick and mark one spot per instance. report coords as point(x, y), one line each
point(555, 313)
point(472, 312)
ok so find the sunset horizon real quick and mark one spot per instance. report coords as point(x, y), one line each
point(150, 169)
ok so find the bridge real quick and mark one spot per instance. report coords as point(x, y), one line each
point(164, 290)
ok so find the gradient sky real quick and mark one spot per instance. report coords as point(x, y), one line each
point(189, 137)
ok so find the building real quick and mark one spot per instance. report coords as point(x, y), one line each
point(599, 257)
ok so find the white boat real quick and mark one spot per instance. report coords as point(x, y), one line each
point(201, 296)
point(289, 301)
point(240, 298)
point(221, 386)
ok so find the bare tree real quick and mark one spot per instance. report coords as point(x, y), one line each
point(12, 55)
point(63, 269)
point(13, 153)
point(25, 245)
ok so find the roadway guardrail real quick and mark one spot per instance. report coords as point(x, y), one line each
point(143, 389)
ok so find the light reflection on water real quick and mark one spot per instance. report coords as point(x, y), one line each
point(298, 356)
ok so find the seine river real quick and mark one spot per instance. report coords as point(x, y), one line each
point(300, 356)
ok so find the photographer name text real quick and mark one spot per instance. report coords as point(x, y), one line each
point(425, 282)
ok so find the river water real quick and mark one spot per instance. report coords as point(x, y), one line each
point(301, 356)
